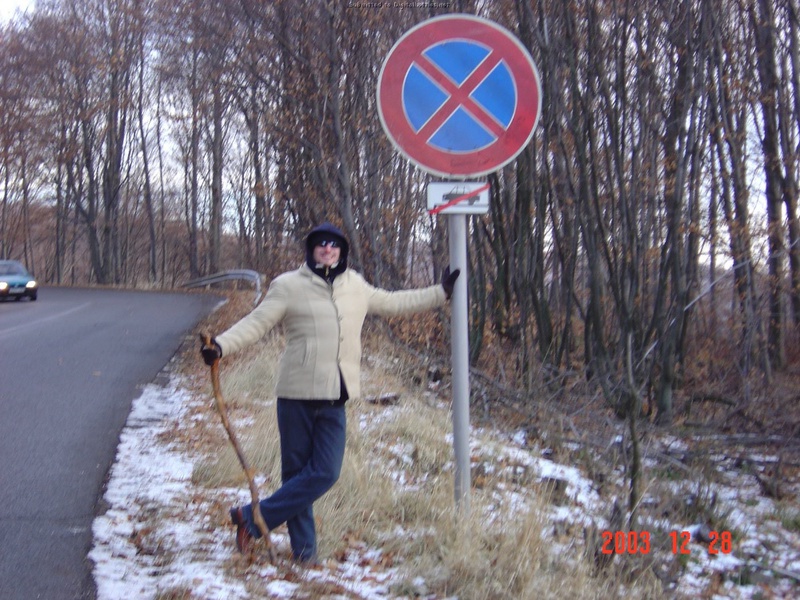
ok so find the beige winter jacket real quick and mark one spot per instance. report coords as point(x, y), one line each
point(322, 325)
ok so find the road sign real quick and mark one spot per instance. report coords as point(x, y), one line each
point(458, 198)
point(459, 96)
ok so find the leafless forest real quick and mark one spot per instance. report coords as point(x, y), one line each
point(645, 242)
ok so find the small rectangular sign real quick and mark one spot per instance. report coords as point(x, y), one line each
point(458, 197)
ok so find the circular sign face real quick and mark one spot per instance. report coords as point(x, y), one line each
point(459, 96)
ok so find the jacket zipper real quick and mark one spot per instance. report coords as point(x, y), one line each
point(339, 328)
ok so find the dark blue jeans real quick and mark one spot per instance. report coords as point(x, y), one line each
point(312, 449)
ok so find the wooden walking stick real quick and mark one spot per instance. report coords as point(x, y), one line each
point(223, 413)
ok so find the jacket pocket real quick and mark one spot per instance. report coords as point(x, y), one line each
point(309, 352)
point(299, 354)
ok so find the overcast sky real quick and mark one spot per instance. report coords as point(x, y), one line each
point(7, 7)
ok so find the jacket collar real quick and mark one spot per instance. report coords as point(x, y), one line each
point(312, 274)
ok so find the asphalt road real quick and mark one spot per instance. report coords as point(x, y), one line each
point(71, 363)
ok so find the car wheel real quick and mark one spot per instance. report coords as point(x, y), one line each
point(33, 298)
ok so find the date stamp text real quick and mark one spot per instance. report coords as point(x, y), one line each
point(639, 542)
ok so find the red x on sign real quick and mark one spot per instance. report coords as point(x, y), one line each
point(459, 96)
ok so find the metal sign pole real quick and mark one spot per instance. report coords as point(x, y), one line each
point(449, 139)
point(459, 324)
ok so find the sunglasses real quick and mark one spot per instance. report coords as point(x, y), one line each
point(329, 243)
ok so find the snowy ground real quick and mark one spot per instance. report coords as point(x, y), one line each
point(190, 555)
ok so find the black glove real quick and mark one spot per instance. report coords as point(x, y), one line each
point(449, 281)
point(211, 353)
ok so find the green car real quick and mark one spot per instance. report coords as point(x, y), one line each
point(16, 282)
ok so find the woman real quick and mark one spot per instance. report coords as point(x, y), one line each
point(322, 306)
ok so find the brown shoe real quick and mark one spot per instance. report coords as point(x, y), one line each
point(244, 539)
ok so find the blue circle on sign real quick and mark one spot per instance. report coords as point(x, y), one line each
point(463, 131)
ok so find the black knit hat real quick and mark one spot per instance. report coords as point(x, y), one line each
point(323, 232)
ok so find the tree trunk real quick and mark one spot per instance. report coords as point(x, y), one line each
point(215, 226)
point(763, 25)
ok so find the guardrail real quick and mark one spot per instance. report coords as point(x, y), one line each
point(235, 274)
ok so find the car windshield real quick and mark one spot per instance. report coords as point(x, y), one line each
point(11, 269)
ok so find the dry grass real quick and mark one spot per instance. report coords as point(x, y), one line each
point(396, 489)
point(396, 494)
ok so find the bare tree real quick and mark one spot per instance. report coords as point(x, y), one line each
point(762, 22)
point(181, 137)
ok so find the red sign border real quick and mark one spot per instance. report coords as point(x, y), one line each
point(473, 29)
